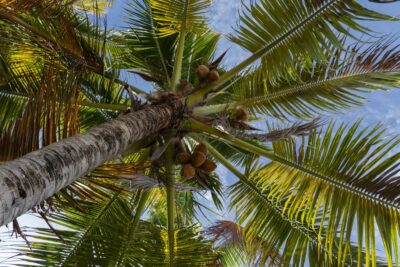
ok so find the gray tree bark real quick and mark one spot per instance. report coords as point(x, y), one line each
point(27, 181)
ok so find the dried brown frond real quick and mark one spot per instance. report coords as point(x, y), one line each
point(228, 232)
point(296, 129)
point(18, 232)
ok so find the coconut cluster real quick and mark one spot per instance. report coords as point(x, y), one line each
point(197, 161)
point(204, 73)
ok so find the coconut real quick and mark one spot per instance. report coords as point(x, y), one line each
point(213, 76)
point(208, 166)
point(198, 159)
point(201, 148)
point(188, 171)
point(202, 71)
point(242, 114)
point(183, 158)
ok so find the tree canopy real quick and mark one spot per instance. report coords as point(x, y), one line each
point(309, 191)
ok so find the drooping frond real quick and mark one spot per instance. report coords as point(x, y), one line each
point(50, 115)
point(333, 184)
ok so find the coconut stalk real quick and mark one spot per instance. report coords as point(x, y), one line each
point(31, 179)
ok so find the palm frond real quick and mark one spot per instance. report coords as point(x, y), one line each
point(282, 31)
point(144, 52)
point(172, 15)
point(98, 6)
point(231, 237)
point(97, 235)
point(332, 86)
point(298, 243)
point(329, 181)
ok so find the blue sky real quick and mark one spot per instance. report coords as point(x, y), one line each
point(380, 107)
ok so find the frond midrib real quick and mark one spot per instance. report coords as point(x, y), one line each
point(307, 86)
point(320, 11)
point(285, 92)
point(338, 184)
point(89, 229)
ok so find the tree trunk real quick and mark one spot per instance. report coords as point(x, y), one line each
point(29, 180)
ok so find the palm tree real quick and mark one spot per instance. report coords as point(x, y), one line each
point(145, 158)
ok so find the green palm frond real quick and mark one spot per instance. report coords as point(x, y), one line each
point(12, 107)
point(199, 49)
point(191, 248)
point(281, 31)
point(174, 15)
point(334, 183)
point(51, 31)
point(88, 236)
point(331, 86)
point(96, 236)
point(98, 6)
point(298, 243)
point(143, 51)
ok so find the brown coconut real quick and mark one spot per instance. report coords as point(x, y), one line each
point(201, 148)
point(198, 159)
point(188, 171)
point(202, 71)
point(213, 76)
point(242, 114)
point(183, 158)
point(208, 166)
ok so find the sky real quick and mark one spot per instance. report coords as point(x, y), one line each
point(380, 107)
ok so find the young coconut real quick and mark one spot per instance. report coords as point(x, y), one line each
point(213, 76)
point(198, 159)
point(242, 114)
point(202, 71)
point(201, 148)
point(183, 158)
point(208, 166)
point(188, 171)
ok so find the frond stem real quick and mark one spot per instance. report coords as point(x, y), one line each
point(170, 203)
point(132, 228)
point(180, 49)
point(211, 109)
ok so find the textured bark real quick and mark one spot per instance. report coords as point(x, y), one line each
point(27, 181)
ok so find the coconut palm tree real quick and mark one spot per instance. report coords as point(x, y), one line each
point(125, 167)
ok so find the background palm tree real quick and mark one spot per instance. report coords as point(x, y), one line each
point(59, 76)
